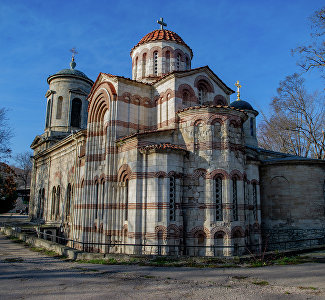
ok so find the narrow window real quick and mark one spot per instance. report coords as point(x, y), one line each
point(76, 113)
point(178, 62)
point(218, 195)
point(172, 198)
point(255, 201)
point(42, 203)
point(59, 107)
point(67, 212)
point(202, 92)
point(155, 63)
point(103, 197)
point(187, 61)
point(126, 190)
point(245, 198)
point(48, 113)
point(57, 210)
point(185, 96)
point(53, 202)
point(144, 65)
point(96, 199)
point(136, 69)
point(167, 62)
point(252, 126)
point(234, 199)
point(160, 197)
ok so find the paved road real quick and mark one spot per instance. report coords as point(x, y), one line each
point(29, 275)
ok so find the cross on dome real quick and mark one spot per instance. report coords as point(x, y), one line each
point(74, 52)
point(161, 22)
point(238, 91)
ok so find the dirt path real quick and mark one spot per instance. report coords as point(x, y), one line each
point(29, 275)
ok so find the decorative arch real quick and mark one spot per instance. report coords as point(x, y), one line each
point(216, 230)
point(215, 119)
point(191, 94)
point(200, 229)
point(205, 81)
point(199, 173)
point(162, 229)
point(237, 174)
point(124, 173)
point(237, 232)
point(175, 229)
point(100, 102)
point(161, 174)
point(218, 172)
point(219, 100)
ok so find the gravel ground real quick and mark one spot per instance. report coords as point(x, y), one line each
point(30, 275)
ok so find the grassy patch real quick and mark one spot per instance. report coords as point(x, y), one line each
point(14, 259)
point(307, 288)
point(258, 264)
point(46, 252)
point(148, 276)
point(261, 283)
point(16, 240)
point(239, 277)
point(99, 261)
point(85, 269)
point(293, 260)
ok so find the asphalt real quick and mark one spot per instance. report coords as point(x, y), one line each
point(25, 274)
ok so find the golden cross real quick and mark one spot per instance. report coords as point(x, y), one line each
point(161, 22)
point(238, 91)
point(74, 52)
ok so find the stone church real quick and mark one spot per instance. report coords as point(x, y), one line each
point(163, 163)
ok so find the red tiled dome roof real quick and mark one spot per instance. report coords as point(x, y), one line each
point(161, 34)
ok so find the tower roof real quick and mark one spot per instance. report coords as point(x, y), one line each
point(70, 72)
point(162, 35)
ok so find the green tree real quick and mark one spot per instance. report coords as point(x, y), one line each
point(8, 194)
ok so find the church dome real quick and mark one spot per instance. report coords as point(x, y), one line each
point(70, 72)
point(162, 35)
point(241, 104)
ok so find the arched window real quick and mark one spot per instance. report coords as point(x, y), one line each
point(234, 199)
point(218, 198)
point(255, 201)
point(126, 199)
point(187, 61)
point(202, 93)
point(186, 96)
point(160, 197)
point(144, 65)
point(53, 202)
point(103, 198)
point(68, 205)
point(39, 203)
point(59, 107)
point(167, 61)
point(48, 113)
point(155, 63)
point(160, 241)
point(172, 198)
point(96, 199)
point(136, 69)
point(198, 129)
point(57, 209)
point(178, 62)
point(42, 203)
point(252, 126)
point(219, 243)
point(76, 112)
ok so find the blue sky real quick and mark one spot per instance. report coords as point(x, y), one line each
point(249, 41)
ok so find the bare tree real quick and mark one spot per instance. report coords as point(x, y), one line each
point(313, 55)
point(24, 165)
point(297, 121)
point(5, 135)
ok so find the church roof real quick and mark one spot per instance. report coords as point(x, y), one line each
point(70, 72)
point(241, 104)
point(162, 35)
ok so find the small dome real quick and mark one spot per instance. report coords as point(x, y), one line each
point(241, 104)
point(72, 71)
point(162, 34)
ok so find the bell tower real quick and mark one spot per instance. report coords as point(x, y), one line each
point(67, 103)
